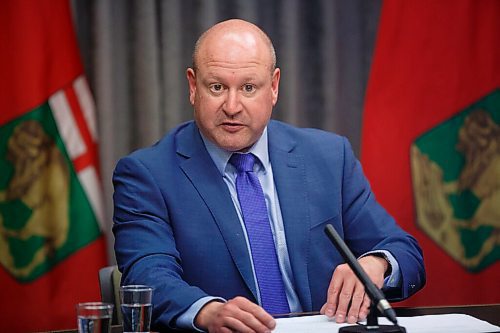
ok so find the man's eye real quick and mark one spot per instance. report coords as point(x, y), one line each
point(248, 88)
point(216, 87)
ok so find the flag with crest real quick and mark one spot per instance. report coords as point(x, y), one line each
point(51, 244)
point(431, 140)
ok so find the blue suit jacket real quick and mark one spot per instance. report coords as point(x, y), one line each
point(176, 227)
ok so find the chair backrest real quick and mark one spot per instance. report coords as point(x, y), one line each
point(109, 282)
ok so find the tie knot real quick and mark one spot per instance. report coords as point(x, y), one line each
point(242, 162)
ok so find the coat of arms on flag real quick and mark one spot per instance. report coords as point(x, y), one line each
point(46, 212)
point(456, 182)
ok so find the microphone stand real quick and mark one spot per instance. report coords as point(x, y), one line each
point(378, 301)
point(372, 325)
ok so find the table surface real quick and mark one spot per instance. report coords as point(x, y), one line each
point(486, 312)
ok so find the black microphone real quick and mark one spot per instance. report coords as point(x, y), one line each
point(376, 295)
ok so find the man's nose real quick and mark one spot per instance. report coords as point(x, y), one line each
point(232, 104)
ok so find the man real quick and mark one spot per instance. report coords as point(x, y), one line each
point(182, 222)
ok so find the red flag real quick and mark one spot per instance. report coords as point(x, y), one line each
point(51, 244)
point(431, 137)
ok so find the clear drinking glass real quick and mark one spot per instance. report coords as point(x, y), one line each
point(94, 317)
point(136, 308)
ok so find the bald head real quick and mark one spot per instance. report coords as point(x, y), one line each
point(239, 33)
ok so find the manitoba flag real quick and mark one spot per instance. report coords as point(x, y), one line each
point(51, 244)
point(431, 140)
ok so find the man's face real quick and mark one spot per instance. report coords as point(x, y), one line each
point(233, 90)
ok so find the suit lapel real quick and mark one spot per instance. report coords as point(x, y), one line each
point(202, 172)
point(290, 178)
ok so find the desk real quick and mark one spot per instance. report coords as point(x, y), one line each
point(486, 312)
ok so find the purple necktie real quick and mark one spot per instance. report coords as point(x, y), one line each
point(254, 210)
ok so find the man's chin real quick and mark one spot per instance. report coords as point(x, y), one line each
point(234, 147)
point(232, 142)
point(237, 149)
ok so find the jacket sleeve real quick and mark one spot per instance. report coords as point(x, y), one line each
point(368, 227)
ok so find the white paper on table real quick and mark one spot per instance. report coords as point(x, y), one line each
point(459, 323)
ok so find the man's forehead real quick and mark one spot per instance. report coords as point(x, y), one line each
point(218, 68)
point(233, 58)
point(228, 43)
point(233, 41)
point(248, 73)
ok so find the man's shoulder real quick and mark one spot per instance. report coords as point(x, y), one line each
point(166, 146)
point(302, 135)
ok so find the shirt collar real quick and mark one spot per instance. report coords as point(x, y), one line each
point(221, 156)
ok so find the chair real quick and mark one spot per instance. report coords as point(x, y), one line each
point(109, 283)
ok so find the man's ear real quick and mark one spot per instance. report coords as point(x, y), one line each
point(191, 77)
point(275, 83)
